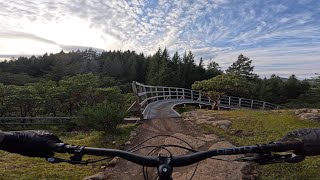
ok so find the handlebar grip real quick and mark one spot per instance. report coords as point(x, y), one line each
point(293, 144)
point(28, 143)
point(310, 138)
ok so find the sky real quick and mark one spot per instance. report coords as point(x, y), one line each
point(281, 37)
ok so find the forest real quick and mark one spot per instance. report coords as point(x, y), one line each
point(66, 83)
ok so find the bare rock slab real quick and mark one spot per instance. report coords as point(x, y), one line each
point(223, 124)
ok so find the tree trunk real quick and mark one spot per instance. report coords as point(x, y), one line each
point(214, 105)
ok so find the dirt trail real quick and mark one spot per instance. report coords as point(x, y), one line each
point(188, 131)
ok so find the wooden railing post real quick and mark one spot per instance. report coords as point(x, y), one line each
point(177, 93)
point(264, 105)
point(191, 92)
point(251, 104)
point(145, 90)
point(240, 102)
point(163, 93)
point(183, 94)
point(157, 93)
point(135, 92)
point(229, 101)
point(154, 93)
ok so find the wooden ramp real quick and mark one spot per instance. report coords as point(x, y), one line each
point(158, 101)
point(164, 108)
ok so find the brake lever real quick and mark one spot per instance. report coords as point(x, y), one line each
point(264, 159)
point(55, 160)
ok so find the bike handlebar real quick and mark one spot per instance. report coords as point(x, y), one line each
point(181, 160)
point(184, 160)
point(40, 144)
point(44, 144)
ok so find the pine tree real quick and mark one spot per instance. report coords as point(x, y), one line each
point(165, 71)
point(177, 70)
point(213, 69)
point(242, 67)
point(153, 76)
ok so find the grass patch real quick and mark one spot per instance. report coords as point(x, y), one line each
point(253, 127)
point(14, 166)
point(185, 108)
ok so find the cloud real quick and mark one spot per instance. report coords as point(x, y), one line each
point(219, 29)
point(283, 61)
point(81, 48)
point(23, 35)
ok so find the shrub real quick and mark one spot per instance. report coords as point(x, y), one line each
point(103, 117)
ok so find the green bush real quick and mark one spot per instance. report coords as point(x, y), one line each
point(103, 117)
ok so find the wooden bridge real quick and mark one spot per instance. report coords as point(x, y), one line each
point(158, 101)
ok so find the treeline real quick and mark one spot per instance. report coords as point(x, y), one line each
point(115, 68)
point(118, 68)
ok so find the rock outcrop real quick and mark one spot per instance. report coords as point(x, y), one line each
point(200, 117)
point(308, 114)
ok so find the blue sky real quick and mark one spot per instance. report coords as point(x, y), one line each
point(281, 37)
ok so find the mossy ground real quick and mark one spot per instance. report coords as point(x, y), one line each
point(14, 166)
point(253, 127)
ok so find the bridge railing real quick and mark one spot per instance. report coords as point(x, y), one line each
point(247, 103)
point(146, 94)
